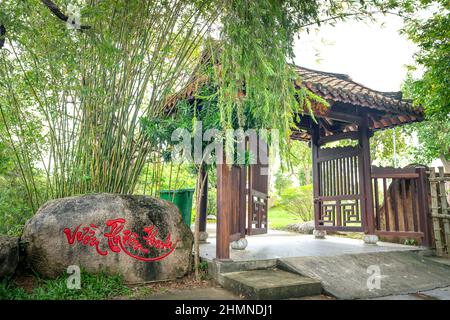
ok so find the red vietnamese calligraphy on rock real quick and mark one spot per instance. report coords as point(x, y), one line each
point(122, 240)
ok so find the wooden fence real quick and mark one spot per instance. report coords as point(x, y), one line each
point(440, 211)
point(401, 204)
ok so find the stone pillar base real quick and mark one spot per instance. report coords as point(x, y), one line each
point(370, 239)
point(319, 234)
point(240, 244)
point(203, 235)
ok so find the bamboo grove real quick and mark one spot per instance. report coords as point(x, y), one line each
point(72, 100)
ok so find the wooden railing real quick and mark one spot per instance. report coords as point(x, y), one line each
point(401, 204)
point(440, 210)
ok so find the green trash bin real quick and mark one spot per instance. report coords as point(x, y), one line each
point(182, 198)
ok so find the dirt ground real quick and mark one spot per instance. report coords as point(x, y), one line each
point(169, 287)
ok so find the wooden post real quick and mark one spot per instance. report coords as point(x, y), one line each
point(242, 199)
point(444, 208)
point(248, 231)
point(435, 213)
point(424, 208)
point(365, 176)
point(203, 200)
point(315, 171)
point(223, 212)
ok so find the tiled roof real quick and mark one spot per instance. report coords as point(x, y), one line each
point(389, 109)
point(336, 87)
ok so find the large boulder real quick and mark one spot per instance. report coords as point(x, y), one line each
point(9, 255)
point(302, 227)
point(139, 237)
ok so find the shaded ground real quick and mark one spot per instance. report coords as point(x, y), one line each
point(26, 282)
point(213, 293)
point(209, 293)
point(169, 288)
point(436, 294)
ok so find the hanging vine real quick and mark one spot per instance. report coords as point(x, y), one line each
point(255, 78)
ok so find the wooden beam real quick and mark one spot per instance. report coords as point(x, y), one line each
point(298, 135)
point(352, 135)
point(327, 127)
point(400, 234)
point(341, 116)
point(327, 154)
point(383, 172)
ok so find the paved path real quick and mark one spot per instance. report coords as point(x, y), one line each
point(280, 244)
point(222, 294)
point(435, 294)
point(356, 276)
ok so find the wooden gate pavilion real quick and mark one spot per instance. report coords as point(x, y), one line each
point(349, 193)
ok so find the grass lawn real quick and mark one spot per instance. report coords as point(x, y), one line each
point(280, 218)
point(93, 287)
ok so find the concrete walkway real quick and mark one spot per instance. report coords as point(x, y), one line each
point(222, 294)
point(436, 294)
point(281, 244)
point(347, 268)
point(372, 275)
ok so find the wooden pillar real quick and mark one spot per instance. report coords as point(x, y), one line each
point(242, 199)
point(424, 209)
point(315, 171)
point(223, 212)
point(365, 171)
point(203, 200)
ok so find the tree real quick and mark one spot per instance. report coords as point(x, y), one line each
point(256, 49)
point(392, 147)
point(431, 91)
point(88, 88)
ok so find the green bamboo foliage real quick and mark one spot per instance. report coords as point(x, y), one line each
point(71, 100)
point(88, 90)
point(256, 81)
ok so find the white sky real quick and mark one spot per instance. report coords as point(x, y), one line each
point(373, 54)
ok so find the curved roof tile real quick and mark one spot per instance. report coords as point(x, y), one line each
point(341, 88)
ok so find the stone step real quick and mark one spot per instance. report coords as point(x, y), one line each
point(270, 284)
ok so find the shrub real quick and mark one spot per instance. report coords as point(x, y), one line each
point(298, 201)
point(14, 209)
